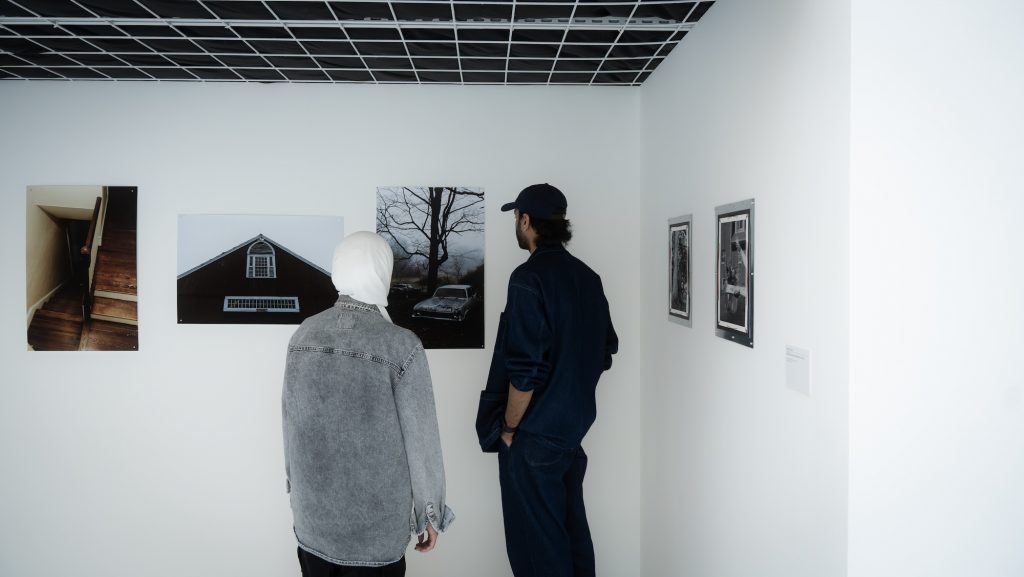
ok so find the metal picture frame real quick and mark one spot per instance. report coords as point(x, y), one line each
point(734, 272)
point(680, 239)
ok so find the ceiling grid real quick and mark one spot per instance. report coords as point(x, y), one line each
point(559, 42)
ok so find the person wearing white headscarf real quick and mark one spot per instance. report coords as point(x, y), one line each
point(361, 268)
point(362, 448)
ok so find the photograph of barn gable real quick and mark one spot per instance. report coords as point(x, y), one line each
point(437, 235)
point(81, 281)
point(260, 280)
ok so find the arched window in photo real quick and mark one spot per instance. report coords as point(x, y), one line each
point(261, 261)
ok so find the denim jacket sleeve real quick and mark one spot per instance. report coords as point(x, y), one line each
point(527, 338)
point(414, 398)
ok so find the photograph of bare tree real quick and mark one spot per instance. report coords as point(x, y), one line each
point(437, 235)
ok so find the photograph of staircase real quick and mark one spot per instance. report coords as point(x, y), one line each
point(96, 307)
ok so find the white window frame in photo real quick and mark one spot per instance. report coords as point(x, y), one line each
point(262, 262)
point(255, 301)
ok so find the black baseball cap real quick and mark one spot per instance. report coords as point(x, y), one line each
point(540, 201)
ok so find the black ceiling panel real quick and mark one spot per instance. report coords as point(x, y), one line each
point(432, 48)
point(142, 60)
point(329, 48)
point(394, 76)
point(634, 64)
point(79, 73)
point(150, 31)
point(421, 11)
point(236, 61)
point(305, 75)
point(194, 60)
point(115, 9)
point(214, 73)
point(176, 9)
point(673, 12)
point(592, 36)
point(35, 30)
point(483, 35)
point(92, 30)
point(68, 45)
point(301, 10)
point(289, 62)
point(350, 75)
point(119, 45)
point(380, 48)
point(483, 12)
point(488, 77)
point(318, 32)
point(276, 47)
point(551, 36)
point(231, 10)
point(265, 32)
point(436, 63)
point(470, 49)
point(376, 63)
point(340, 62)
point(172, 45)
point(10, 10)
point(36, 73)
point(374, 34)
point(48, 59)
point(124, 73)
point(490, 41)
point(5, 74)
point(361, 10)
point(207, 31)
point(9, 60)
point(99, 60)
point(225, 46)
point(530, 65)
point(440, 76)
point(482, 64)
point(429, 34)
point(528, 77)
point(577, 65)
point(520, 50)
point(55, 8)
point(259, 74)
point(169, 73)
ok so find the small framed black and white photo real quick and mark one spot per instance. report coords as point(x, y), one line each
point(679, 235)
point(734, 271)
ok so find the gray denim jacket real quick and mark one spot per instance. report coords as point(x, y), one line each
point(362, 449)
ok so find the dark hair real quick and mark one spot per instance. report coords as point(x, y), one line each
point(552, 231)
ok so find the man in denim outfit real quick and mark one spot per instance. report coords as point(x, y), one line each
point(555, 340)
point(362, 449)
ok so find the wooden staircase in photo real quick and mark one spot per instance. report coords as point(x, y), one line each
point(114, 318)
point(57, 325)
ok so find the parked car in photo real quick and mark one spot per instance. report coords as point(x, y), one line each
point(451, 302)
point(404, 289)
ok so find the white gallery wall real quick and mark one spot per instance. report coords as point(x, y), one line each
point(744, 476)
point(937, 320)
point(167, 462)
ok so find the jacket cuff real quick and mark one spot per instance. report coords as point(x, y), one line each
point(441, 524)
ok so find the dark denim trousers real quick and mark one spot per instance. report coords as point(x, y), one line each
point(546, 530)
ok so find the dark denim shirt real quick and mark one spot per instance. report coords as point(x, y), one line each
point(362, 449)
point(556, 337)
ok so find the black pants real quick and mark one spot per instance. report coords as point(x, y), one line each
point(546, 529)
point(313, 566)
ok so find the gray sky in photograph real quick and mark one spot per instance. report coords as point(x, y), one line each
point(202, 237)
point(469, 246)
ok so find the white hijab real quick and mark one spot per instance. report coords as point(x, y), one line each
point(362, 268)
